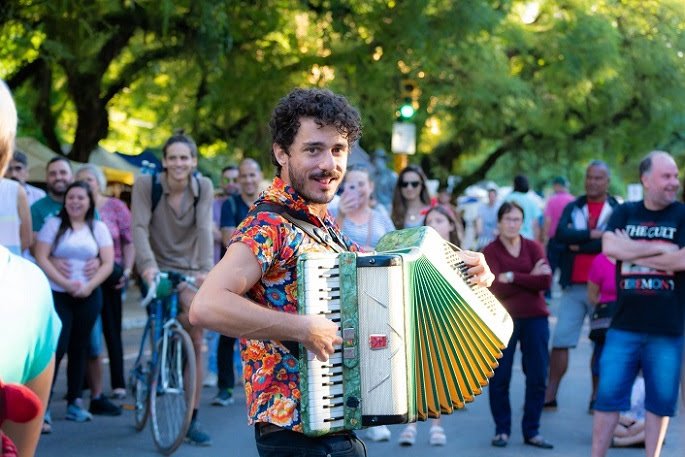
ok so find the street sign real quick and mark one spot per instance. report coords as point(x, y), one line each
point(403, 138)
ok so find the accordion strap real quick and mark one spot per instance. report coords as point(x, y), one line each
point(324, 236)
point(321, 235)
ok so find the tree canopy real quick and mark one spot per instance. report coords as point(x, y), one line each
point(537, 87)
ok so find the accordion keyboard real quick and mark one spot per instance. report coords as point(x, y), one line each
point(324, 379)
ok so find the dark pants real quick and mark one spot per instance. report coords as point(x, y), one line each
point(286, 443)
point(224, 362)
point(111, 328)
point(554, 251)
point(533, 335)
point(78, 316)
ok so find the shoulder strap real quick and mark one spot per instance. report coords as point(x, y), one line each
point(155, 192)
point(323, 236)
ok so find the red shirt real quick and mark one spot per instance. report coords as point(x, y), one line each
point(582, 262)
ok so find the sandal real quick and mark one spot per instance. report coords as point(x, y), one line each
point(408, 436)
point(437, 436)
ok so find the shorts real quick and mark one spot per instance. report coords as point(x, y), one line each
point(624, 354)
point(95, 342)
point(573, 307)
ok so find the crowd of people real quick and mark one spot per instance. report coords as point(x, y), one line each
point(617, 265)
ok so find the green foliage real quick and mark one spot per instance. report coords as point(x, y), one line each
point(536, 87)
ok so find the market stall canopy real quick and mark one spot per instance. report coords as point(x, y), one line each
point(115, 168)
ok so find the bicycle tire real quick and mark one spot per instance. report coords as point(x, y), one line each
point(139, 384)
point(172, 391)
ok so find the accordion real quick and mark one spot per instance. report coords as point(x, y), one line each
point(419, 340)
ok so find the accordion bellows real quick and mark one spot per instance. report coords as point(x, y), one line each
point(418, 339)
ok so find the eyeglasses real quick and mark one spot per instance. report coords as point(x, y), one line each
point(413, 184)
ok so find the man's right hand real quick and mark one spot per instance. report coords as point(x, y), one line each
point(62, 266)
point(320, 335)
point(149, 275)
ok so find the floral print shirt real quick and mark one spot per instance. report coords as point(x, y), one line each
point(270, 372)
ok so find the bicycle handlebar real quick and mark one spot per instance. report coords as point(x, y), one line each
point(164, 283)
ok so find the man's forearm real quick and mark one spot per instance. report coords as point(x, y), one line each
point(626, 249)
point(671, 261)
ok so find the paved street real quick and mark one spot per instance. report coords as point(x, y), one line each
point(469, 432)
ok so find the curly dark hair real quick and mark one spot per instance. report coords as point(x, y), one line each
point(325, 107)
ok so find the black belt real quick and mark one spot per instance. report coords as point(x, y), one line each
point(265, 428)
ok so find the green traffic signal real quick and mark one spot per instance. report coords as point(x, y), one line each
point(407, 111)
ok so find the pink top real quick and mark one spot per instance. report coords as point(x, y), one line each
point(603, 273)
point(555, 206)
point(116, 215)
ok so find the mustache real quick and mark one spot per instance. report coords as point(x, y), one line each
point(326, 174)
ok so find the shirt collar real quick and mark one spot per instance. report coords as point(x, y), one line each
point(283, 194)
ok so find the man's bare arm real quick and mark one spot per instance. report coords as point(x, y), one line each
point(220, 306)
point(620, 246)
point(670, 261)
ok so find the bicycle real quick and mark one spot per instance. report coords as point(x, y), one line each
point(167, 368)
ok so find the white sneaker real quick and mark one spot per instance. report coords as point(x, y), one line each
point(380, 433)
point(210, 380)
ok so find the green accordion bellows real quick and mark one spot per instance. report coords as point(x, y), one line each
point(418, 340)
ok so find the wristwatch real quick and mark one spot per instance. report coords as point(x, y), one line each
point(510, 276)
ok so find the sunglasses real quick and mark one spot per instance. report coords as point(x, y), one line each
point(413, 184)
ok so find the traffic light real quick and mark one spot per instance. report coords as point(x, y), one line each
point(409, 99)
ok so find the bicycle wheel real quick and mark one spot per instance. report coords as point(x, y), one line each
point(172, 391)
point(139, 383)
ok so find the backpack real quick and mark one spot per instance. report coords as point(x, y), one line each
point(156, 192)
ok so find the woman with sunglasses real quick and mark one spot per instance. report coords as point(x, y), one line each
point(361, 222)
point(411, 200)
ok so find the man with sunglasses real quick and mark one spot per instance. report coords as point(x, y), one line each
point(18, 170)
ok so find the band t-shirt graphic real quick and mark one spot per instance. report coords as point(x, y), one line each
point(650, 300)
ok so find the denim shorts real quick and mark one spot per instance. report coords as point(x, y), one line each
point(95, 343)
point(624, 354)
point(573, 307)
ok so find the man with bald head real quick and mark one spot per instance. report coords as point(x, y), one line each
point(233, 211)
point(647, 238)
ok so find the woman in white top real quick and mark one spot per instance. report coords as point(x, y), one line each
point(15, 217)
point(357, 219)
point(74, 235)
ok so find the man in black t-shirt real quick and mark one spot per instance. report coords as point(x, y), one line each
point(647, 239)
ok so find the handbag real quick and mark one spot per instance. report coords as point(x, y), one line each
point(601, 320)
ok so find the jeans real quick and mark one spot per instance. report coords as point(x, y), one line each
point(533, 335)
point(212, 339)
point(286, 443)
point(624, 354)
point(111, 328)
point(224, 362)
point(78, 316)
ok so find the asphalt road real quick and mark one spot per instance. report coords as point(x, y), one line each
point(468, 432)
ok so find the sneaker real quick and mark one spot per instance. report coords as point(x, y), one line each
point(223, 398)
point(197, 436)
point(210, 380)
point(46, 429)
point(380, 433)
point(119, 393)
point(77, 414)
point(408, 436)
point(101, 406)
